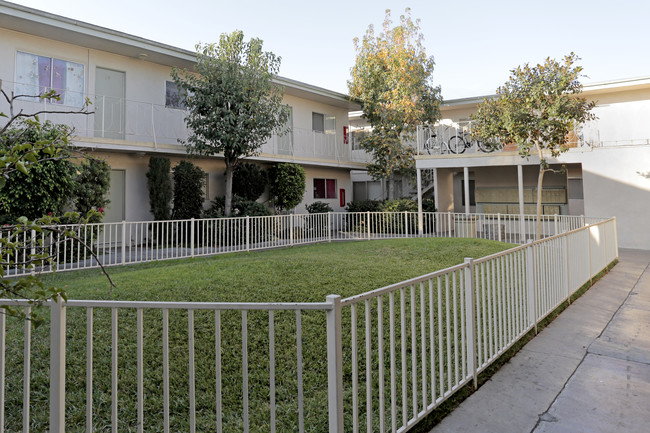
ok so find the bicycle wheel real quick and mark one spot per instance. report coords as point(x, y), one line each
point(457, 144)
point(486, 147)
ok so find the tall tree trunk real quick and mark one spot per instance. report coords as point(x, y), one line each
point(540, 179)
point(228, 202)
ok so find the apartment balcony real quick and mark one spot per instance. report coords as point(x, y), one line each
point(123, 124)
point(451, 139)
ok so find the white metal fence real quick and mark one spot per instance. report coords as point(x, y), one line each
point(381, 360)
point(144, 241)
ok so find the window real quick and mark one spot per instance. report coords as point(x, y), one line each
point(357, 136)
point(323, 123)
point(472, 190)
point(173, 96)
point(324, 188)
point(36, 75)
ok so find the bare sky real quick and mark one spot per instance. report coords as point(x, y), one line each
point(475, 43)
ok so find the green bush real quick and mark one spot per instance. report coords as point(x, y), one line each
point(401, 205)
point(91, 187)
point(159, 183)
point(287, 182)
point(249, 181)
point(48, 186)
point(318, 207)
point(240, 207)
point(188, 191)
point(364, 206)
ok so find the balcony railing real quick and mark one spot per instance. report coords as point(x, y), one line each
point(155, 124)
point(449, 138)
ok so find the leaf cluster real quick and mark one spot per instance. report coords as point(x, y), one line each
point(392, 77)
point(249, 181)
point(188, 191)
point(389, 156)
point(233, 105)
point(287, 182)
point(536, 108)
point(159, 183)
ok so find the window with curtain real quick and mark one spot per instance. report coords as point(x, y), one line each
point(36, 75)
point(324, 188)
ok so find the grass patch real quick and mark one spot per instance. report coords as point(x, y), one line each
point(299, 274)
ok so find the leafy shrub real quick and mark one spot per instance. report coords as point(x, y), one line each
point(188, 191)
point(240, 207)
point(249, 181)
point(91, 187)
point(48, 186)
point(318, 207)
point(401, 205)
point(159, 183)
point(364, 206)
point(287, 182)
point(428, 205)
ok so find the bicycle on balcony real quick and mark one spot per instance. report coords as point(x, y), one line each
point(463, 140)
point(434, 145)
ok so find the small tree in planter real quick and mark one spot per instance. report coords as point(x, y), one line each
point(287, 185)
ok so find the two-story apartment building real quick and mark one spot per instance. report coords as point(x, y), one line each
point(136, 112)
point(607, 171)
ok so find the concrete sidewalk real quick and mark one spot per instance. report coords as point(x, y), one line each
point(588, 371)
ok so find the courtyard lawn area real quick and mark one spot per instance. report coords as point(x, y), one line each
point(298, 274)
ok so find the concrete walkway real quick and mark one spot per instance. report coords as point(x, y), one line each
point(588, 371)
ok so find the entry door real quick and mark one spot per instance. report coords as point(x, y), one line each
point(109, 103)
point(114, 212)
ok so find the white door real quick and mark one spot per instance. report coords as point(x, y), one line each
point(109, 104)
point(115, 211)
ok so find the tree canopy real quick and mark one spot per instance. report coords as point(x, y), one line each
point(233, 105)
point(536, 109)
point(392, 79)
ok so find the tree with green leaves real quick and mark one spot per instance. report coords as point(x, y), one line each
point(233, 104)
point(189, 181)
point(287, 182)
point(26, 145)
point(392, 79)
point(536, 109)
point(159, 183)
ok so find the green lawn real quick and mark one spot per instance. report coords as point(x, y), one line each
point(299, 274)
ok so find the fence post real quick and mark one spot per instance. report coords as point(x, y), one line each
point(406, 224)
point(615, 238)
point(291, 229)
point(470, 318)
point(555, 224)
point(530, 283)
point(329, 226)
point(499, 227)
point(248, 233)
point(123, 242)
point(33, 250)
point(368, 223)
point(334, 365)
point(57, 366)
point(568, 267)
point(192, 236)
point(591, 274)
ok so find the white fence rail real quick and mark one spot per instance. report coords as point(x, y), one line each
point(382, 360)
point(144, 241)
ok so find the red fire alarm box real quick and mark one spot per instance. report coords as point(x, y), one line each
point(345, 134)
point(342, 197)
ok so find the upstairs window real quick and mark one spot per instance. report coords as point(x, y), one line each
point(173, 96)
point(36, 75)
point(323, 123)
point(324, 188)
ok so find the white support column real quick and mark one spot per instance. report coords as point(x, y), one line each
point(420, 219)
point(520, 182)
point(466, 192)
point(436, 197)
